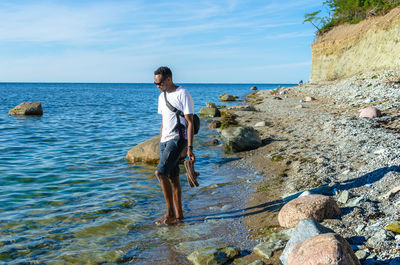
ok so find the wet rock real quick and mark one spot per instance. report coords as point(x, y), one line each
point(379, 237)
point(267, 249)
point(283, 235)
point(227, 97)
point(394, 227)
point(147, 152)
point(328, 249)
point(214, 124)
point(306, 229)
point(211, 105)
point(253, 88)
point(27, 108)
point(308, 99)
point(213, 255)
point(318, 207)
point(209, 112)
point(236, 139)
point(370, 112)
point(213, 142)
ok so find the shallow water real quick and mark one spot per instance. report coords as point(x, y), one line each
point(68, 195)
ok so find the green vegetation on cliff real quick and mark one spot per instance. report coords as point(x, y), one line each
point(348, 11)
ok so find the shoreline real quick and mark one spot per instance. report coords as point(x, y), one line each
point(325, 143)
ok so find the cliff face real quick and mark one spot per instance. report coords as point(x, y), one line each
point(347, 50)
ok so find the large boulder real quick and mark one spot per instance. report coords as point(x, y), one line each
point(27, 108)
point(306, 229)
point(213, 256)
point(238, 139)
point(227, 97)
point(147, 152)
point(315, 206)
point(209, 112)
point(327, 249)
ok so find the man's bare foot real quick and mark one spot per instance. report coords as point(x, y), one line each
point(166, 220)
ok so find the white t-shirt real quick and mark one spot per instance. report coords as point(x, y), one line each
point(180, 99)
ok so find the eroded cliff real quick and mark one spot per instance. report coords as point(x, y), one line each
point(347, 50)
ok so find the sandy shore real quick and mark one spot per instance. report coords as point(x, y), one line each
point(325, 143)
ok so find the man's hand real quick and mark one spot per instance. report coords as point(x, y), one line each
point(191, 155)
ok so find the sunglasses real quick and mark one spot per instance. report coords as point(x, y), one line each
point(159, 83)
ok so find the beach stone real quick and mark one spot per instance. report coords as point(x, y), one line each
point(147, 152)
point(394, 227)
point(253, 88)
point(299, 106)
point(305, 193)
point(27, 108)
point(278, 98)
point(390, 194)
point(283, 235)
point(327, 249)
point(211, 105)
point(214, 124)
point(227, 97)
point(308, 99)
point(318, 207)
point(344, 197)
point(213, 256)
point(283, 92)
point(209, 112)
point(361, 254)
point(370, 112)
point(267, 249)
point(261, 124)
point(379, 237)
point(356, 202)
point(237, 139)
point(306, 229)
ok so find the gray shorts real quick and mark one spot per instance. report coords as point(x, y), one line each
point(169, 157)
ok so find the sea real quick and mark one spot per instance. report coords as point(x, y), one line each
point(67, 195)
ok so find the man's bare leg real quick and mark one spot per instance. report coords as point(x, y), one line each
point(177, 197)
point(167, 191)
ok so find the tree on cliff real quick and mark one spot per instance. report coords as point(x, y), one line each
point(348, 11)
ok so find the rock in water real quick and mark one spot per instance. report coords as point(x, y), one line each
point(209, 112)
point(147, 152)
point(214, 124)
point(315, 206)
point(306, 229)
point(238, 139)
point(27, 108)
point(227, 97)
point(213, 256)
point(253, 88)
point(370, 112)
point(327, 249)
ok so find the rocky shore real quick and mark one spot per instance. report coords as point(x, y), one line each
point(313, 139)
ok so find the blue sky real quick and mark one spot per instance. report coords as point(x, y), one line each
point(231, 41)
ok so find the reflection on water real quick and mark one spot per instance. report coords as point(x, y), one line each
point(67, 194)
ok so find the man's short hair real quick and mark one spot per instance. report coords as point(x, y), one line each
point(164, 71)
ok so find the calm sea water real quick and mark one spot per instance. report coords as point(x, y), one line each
point(66, 193)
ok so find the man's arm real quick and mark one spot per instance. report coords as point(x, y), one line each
point(190, 133)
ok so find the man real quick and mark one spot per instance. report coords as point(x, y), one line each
point(173, 141)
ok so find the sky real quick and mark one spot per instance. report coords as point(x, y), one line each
point(216, 41)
